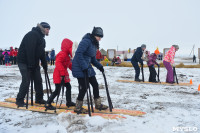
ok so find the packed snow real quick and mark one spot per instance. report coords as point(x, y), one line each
point(166, 107)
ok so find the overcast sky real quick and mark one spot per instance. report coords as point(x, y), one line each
point(126, 23)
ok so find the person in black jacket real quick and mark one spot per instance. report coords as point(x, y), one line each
point(1, 57)
point(30, 53)
point(137, 57)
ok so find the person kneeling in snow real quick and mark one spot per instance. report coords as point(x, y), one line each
point(83, 71)
point(151, 62)
point(60, 75)
point(169, 62)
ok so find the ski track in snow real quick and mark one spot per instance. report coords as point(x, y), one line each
point(166, 106)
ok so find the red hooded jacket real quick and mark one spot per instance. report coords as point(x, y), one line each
point(15, 53)
point(11, 51)
point(63, 62)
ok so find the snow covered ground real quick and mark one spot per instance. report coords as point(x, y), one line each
point(167, 107)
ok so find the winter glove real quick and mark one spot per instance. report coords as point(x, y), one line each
point(101, 69)
point(85, 71)
point(45, 68)
point(141, 63)
point(63, 80)
point(158, 65)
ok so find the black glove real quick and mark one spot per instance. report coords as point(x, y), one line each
point(63, 80)
point(85, 72)
point(45, 68)
point(158, 65)
point(141, 63)
point(101, 69)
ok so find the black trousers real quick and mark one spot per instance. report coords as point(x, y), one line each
point(152, 76)
point(137, 69)
point(1, 60)
point(83, 89)
point(11, 60)
point(26, 76)
point(52, 62)
point(15, 59)
point(56, 92)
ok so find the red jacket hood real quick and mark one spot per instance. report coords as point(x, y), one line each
point(66, 46)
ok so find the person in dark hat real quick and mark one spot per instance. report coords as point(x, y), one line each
point(30, 53)
point(137, 57)
point(82, 68)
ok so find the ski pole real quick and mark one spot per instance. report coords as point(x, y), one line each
point(88, 101)
point(107, 92)
point(57, 98)
point(175, 75)
point(142, 72)
point(49, 82)
point(62, 95)
point(31, 90)
point(27, 99)
point(158, 74)
point(91, 98)
point(46, 86)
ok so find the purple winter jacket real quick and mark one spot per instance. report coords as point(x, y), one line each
point(152, 60)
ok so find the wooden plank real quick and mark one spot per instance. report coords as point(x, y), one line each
point(162, 83)
point(114, 111)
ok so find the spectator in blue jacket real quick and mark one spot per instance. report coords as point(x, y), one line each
point(137, 57)
point(52, 56)
point(82, 68)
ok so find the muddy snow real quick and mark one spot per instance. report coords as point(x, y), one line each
point(169, 108)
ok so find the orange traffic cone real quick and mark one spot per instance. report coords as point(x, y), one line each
point(191, 81)
point(199, 88)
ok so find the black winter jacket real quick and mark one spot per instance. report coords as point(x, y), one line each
point(137, 56)
point(32, 49)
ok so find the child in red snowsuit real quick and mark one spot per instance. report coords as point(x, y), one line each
point(60, 75)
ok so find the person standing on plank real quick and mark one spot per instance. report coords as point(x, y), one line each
point(31, 51)
point(151, 62)
point(82, 68)
point(169, 62)
point(137, 57)
point(61, 75)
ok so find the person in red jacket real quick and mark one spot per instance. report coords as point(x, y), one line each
point(11, 55)
point(98, 55)
point(60, 75)
point(15, 55)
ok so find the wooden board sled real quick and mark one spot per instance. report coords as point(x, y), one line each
point(114, 111)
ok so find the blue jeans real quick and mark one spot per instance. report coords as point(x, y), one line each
point(7, 60)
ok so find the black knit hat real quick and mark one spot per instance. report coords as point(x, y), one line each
point(45, 25)
point(97, 31)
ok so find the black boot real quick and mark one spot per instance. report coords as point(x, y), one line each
point(20, 103)
point(68, 96)
point(40, 101)
point(48, 105)
point(138, 80)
